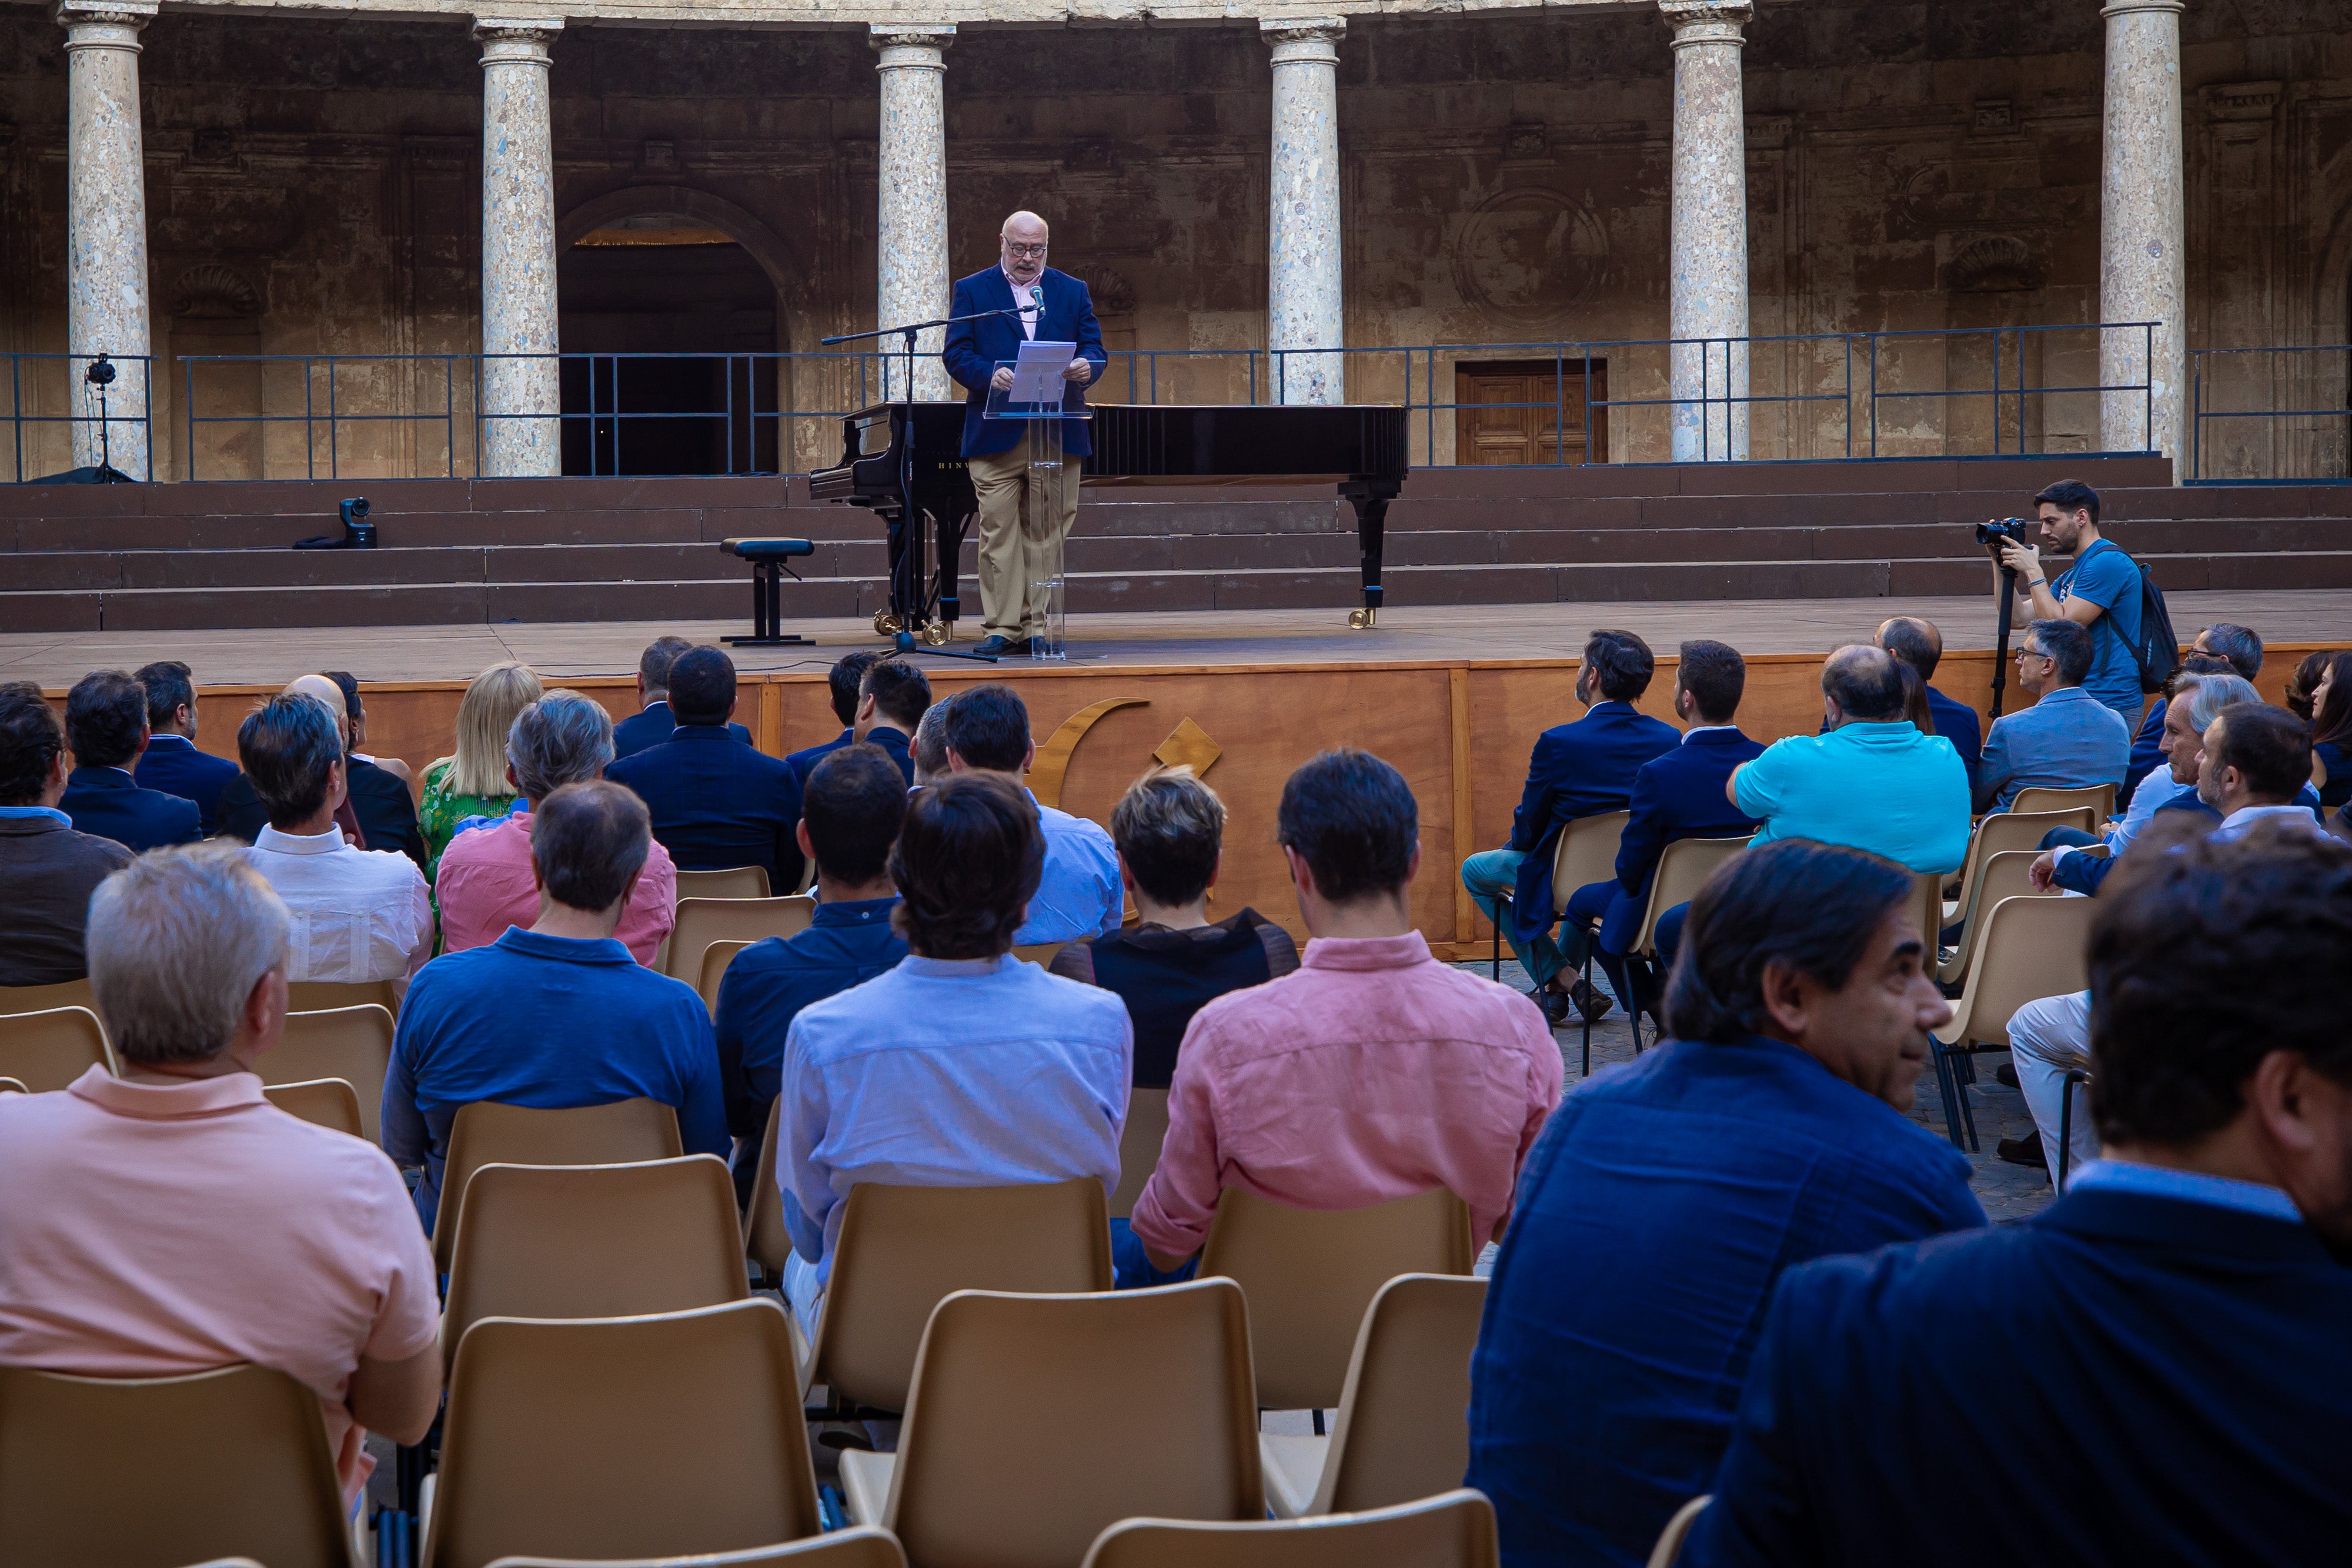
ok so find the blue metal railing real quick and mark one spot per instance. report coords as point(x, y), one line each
point(2305, 376)
point(113, 418)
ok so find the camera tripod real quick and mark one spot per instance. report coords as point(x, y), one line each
point(2000, 637)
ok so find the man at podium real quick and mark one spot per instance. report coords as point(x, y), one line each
point(1054, 308)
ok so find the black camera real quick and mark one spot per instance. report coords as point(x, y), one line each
point(1989, 535)
point(358, 533)
point(100, 372)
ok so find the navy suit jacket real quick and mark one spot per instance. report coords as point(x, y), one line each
point(108, 803)
point(2145, 1379)
point(652, 726)
point(173, 765)
point(1678, 795)
point(972, 349)
point(893, 741)
point(718, 803)
point(1579, 769)
point(808, 756)
point(1960, 723)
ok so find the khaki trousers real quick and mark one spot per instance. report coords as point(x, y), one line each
point(1024, 516)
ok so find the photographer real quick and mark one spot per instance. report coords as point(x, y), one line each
point(2101, 591)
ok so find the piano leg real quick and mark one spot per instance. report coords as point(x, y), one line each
point(946, 572)
point(1371, 515)
point(906, 576)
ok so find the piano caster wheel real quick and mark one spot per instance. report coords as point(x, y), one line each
point(885, 623)
point(935, 635)
point(1362, 620)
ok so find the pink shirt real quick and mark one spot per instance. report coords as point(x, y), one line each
point(152, 1230)
point(1372, 1073)
point(486, 885)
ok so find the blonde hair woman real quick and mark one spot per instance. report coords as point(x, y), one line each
point(473, 783)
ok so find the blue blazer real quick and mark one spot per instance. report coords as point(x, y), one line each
point(808, 756)
point(173, 765)
point(1579, 769)
point(653, 725)
point(110, 804)
point(2146, 754)
point(2146, 1379)
point(973, 351)
point(1679, 795)
point(892, 741)
point(718, 803)
point(1960, 723)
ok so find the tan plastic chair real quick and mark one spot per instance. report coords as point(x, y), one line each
point(1683, 868)
point(1452, 1530)
point(2033, 948)
point(332, 995)
point(2100, 797)
point(1039, 953)
point(44, 999)
point(715, 960)
point(1404, 1429)
point(1311, 1274)
point(903, 1250)
point(1124, 1405)
point(1678, 1531)
point(2004, 830)
point(354, 1044)
point(593, 1241)
point(12, 1086)
point(735, 881)
point(703, 921)
point(322, 1102)
point(622, 1438)
point(486, 1133)
point(1586, 851)
point(765, 1240)
point(2003, 875)
point(155, 1472)
point(1138, 1147)
point(859, 1546)
point(50, 1050)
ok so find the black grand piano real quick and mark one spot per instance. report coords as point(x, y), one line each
point(925, 497)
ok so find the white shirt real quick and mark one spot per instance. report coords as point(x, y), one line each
point(357, 914)
point(2243, 819)
point(1026, 294)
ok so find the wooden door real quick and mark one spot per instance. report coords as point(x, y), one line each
point(1530, 411)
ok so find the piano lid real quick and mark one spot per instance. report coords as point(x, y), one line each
point(1294, 440)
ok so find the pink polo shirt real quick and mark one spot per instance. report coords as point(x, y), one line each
point(1372, 1073)
point(152, 1230)
point(485, 886)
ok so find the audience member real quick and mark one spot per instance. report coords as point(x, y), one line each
point(171, 1220)
point(472, 781)
point(850, 814)
point(2238, 647)
point(2152, 1370)
point(1581, 769)
point(2331, 729)
point(357, 914)
point(557, 1016)
point(1773, 1128)
point(377, 812)
point(985, 729)
point(891, 702)
point(48, 869)
point(929, 754)
point(355, 744)
point(487, 882)
point(1373, 1071)
point(172, 762)
point(715, 804)
point(2067, 739)
point(653, 723)
point(106, 724)
point(2303, 682)
point(1919, 643)
point(960, 1066)
point(842, 683)
point(2100, 592)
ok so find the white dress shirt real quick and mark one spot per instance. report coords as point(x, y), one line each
point(357, 914)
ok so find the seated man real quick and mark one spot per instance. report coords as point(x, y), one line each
point(892, 699)
point(1372, 1073)
point(377, 812)
point(488, 883)
point(928, 754)
point(1677, 795)
point(2154, 1369)
point(47, 869)
point(172, 762)
point(1774, 1127)
point(1918, 644)
point(849, 819)
point(106, 724)
point(172, 1220)
point(358, 915)
point(653, 723)
point(2068, 739)
point(961, 1066)
point(558, 1015)
point(985, 729)
point(716, 804)
point(2240, 648)
point(1577, 770)
point(842, 683)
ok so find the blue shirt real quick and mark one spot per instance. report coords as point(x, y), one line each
point(20, 812)
point(948, 1073)
point(1079, 894)
point(1653, 1217)
point(1882, 788)
point(2191, 1186)
point(548, 1022)
point(2109, 578)
point(2067, 739)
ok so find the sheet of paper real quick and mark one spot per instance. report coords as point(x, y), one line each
point(1037, 373)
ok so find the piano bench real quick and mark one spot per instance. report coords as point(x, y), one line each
point(767, 556)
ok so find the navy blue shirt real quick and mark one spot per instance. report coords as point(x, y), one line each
point(2147, 755)
point(652, 725)
point(1656, 1214)
point(717, 803)
point(173, 765)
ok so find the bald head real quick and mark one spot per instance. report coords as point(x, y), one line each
point(1020, 245)
point(1864, 685)
point(1915, 641)
point(326, 695)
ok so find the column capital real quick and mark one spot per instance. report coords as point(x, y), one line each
point(103, 24)
point(2125, 7)
point(1304, 37)
point(1706, 21)
point(907, 46)
point(511, 40)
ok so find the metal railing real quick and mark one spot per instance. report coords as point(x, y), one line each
point(2301, 433)
point(59, 418)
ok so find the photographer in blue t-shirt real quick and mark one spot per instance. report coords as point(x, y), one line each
point(2101, 591)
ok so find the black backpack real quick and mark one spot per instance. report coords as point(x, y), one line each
point(2158, 650)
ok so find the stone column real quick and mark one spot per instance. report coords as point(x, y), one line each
point(2140, 236)
point(1707, 240)
point(911, 282)
point(106, 229)
point(1303, 306)
point(519, 434)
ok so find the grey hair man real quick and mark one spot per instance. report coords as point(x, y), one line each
point(931, 748)
point(2067, 739)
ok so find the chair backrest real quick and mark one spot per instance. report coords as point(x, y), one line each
point(1451, 1530)
point(1404, 1430)
point(765, 1240)
point(593, 1241)
point(2100, 797)
point(1131, 1404)
point(1311, 1276)
point(156, 1472)
point(1039, 953)
point(42, 999)
point(859, 1546)
point(1678, 1531)
point(703, 921)
point(715, 960)
point(2004, 875)
point(2003, 831)
point(617, 1438)
point(12, 1086)
point(2033, 948)
point(1138, 1147)
point(326, 1102)
point(1928, 903)
point(50, 1050)
point(1682, 868)
point(354, 1044)
point(486, 1133)
point(1587, 851)
point(331, 996)
point(903, 1250)
point(735, 881)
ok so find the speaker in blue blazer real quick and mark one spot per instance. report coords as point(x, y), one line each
point(973, 350)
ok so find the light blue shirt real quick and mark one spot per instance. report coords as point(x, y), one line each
point(948, 1073)
point(2066, 740)
point(1882, 788)
point(2109, 578)
point(15, 812)
point(1079, 894)
point(2192, 1186)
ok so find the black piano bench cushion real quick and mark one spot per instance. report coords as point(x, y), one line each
point(767, 549)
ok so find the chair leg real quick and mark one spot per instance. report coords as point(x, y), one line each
point(2066, 1122)
point(1961, 1093)
point(1497, 971)
point(1945, 1091)
point(1587, 1071)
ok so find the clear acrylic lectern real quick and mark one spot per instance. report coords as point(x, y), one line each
point(1037, 396)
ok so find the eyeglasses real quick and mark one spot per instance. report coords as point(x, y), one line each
point(1012, 249)
point(2031, 653)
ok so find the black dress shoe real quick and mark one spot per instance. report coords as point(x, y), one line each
point(1554, 1004)
point(2007, 1073)
point(1590, 999)
point(2024, 1151)
point(993, 646)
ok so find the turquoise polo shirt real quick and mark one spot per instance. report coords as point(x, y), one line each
point(1884, 787)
